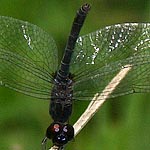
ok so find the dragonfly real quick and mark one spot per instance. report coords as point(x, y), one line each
point(29, 65)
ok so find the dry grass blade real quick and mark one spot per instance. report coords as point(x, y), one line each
point(55, 148)
point(98, 100)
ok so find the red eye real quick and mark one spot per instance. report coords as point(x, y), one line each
point(56, 127)
point(53, 130)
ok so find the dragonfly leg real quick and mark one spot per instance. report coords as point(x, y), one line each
point(43, 144)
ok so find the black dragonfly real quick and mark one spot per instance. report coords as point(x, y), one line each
point(29, 56)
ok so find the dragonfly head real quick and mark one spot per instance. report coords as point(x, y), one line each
point(60, 133)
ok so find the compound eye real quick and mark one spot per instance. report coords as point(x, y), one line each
point(53, 130)
point(56, 128)
point(60, 133)
point(60, 139)
point(69, 131)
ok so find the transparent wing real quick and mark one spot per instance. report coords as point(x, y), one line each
point(100, 55)
point(28, 58)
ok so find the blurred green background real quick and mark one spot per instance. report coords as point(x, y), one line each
point(121, 124)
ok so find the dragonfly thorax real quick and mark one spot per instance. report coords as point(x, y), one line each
point(62, 90)
point(61, 101)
